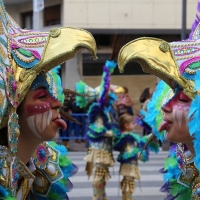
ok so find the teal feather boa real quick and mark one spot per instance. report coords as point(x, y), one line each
point(153, 116)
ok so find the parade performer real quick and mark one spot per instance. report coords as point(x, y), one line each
point(177, 63)
point(30, 167)
point(130, 145)
point(101, 129)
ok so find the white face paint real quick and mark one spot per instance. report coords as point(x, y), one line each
point(179, 113)
point(39, 122)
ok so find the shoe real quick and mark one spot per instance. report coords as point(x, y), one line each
point(83, 141)
point(77, 141)
point(66, 144)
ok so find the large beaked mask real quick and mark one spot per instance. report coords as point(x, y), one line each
point(176, 62)
point(26, 53)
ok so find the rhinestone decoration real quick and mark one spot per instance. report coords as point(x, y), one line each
point(41, 156)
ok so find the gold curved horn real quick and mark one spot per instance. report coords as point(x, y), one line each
point(155, 57)
point(63, 44)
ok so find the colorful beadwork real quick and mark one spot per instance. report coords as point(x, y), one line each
point(180, 158)
point(185, 51)
point(41, 156)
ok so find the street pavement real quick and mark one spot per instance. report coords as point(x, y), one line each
point(146, 189)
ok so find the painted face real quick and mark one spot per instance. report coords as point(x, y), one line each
point(175, 120)
point(38, 114)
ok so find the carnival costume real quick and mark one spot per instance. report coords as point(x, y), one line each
point(175, 63)
point(101, 129)
point(26, 57)
point(179, 172)
point(130, 145)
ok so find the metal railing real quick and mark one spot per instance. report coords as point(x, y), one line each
point(75, 131)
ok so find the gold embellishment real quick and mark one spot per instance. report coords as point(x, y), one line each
point(54, 32)
point(2, 97)
point(190, 71)
point(53, 156)
point(164, 47)
point(25, 187)
point(185, 44)
point(2, 13)
point(40, 189)
point(26, 60)
point(187, 57)
point(127, 185)
point(1, 28)
point(30, 33)
point(3, 53)
point(53, 175)
point(4, 179)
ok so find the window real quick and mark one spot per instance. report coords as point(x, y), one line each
point(52, 15)
point(95, 68)
point(27, 20)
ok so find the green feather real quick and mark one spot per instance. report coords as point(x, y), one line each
point(169, 162)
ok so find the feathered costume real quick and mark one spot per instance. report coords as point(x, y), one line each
point(26, 58)
point(101, 129)
point(130, 145)
point(176, 62)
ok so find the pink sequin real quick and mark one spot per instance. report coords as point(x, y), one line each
point(185, 64)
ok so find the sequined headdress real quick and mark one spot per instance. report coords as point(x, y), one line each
point(176, 62)
point(26, 53)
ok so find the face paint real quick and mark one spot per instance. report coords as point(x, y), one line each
point(179, 113)
point(175, 120)
point(39, 122)
point(40, 111)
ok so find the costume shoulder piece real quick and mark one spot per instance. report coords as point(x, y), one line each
point(53, 169)
point(180, 175)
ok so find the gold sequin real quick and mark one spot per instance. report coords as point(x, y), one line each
point(3, 53)
point(2, 97)
point(1, 28)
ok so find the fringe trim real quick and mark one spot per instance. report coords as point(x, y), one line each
point(127, 185)
point(130, 170)
point(101, 173)
point(100, 157)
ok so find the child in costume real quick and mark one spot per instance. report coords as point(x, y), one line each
point(101, 130)
point(177, 63)
point(130, 145)
point(31, 96)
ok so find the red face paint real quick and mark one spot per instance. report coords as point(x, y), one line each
point(38, 108)
point(179, 99)
point(44, 103)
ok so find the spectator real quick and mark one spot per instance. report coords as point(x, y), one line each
point(125, 103)
point(144, 99)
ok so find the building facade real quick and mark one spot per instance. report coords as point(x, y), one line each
point(113, 23)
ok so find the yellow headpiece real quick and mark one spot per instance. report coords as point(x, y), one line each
point(26, 53)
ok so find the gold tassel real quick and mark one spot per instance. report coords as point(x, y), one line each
point(88, 168)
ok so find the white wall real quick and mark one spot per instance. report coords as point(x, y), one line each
point(124, 14)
